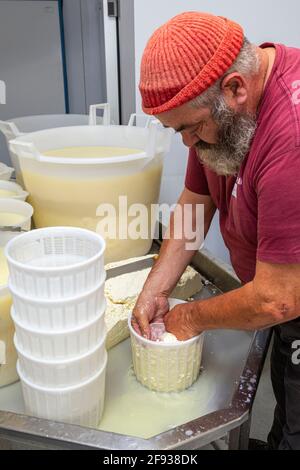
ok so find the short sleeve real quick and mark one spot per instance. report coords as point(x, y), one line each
point(278, 193)
point(195, 179)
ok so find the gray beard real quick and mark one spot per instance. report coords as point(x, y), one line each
point(235, 135)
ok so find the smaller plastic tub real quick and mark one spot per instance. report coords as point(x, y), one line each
point(163, 367)
point(51, 315)
point(10, 190)
point(61, 345)
point(16, 215)
point(8, 354)
point(5, 172)
point(56, 263)
point(62, 374)
point(82, 404)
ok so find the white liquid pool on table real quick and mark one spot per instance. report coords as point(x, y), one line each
point(134, 410)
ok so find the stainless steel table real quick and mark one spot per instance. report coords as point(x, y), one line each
point(219, 405)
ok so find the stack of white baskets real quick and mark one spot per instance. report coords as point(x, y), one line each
point(57, 282)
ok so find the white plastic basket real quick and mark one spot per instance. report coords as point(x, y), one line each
point(82, 404)
point(62, 374)
point(17, 191)
point(5, 172)
point(61, 345)
point(56, 263)
point(166, 367)
point(51, 315)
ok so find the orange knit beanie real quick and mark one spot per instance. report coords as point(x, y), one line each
point(186, 56)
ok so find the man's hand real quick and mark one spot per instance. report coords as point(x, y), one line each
point(149, 308)
point(180, 321)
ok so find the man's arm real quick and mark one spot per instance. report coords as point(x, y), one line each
point(173, 256)
point(173, 260)
point(272, 298)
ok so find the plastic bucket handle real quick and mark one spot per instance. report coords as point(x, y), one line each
point(9, 129)
point(133, 120)
point(93, 114)
point(25, 149)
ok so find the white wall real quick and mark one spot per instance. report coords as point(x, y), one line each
point(262, 20)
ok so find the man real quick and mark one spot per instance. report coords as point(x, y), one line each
point(237, 108)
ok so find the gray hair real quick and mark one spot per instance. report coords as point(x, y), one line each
point(247, 63)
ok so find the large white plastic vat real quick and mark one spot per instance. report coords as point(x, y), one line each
point(75, 191)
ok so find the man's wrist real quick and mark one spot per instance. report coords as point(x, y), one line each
point(194, 317)
point(158, 287)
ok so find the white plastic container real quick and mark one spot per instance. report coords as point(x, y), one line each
point(5, 172)
point(51, 315)
point(8, 354)
point(20, 208)
point(163, 367)
point(27, 124)
point(60, 345)
point(75, 191)
point(65, 373)
point(56, 263)
point(17, 192)
point(82, 404)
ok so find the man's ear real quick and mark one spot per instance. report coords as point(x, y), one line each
point(234, 89)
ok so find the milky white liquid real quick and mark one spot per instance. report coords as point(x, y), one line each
point(91, 152)
point(8, 354)
point(66, 201)
point(132, 409)
point(5, 193)
point(9, 219)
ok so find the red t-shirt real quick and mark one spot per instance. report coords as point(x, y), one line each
point(260, 210)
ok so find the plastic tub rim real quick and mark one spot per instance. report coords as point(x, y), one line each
point(59, 332)
point(27, 137)
point(53, 269)
point(16, 188)
point(54, 302)
point(16, 202)
point(5, 171)
point(158, 344)
point(58, 362)
point(55, 391)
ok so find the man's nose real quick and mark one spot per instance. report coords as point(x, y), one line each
point(188, 139)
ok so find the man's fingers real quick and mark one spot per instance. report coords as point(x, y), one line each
point(144, 327)
point(135, 326)
point(141, 325)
